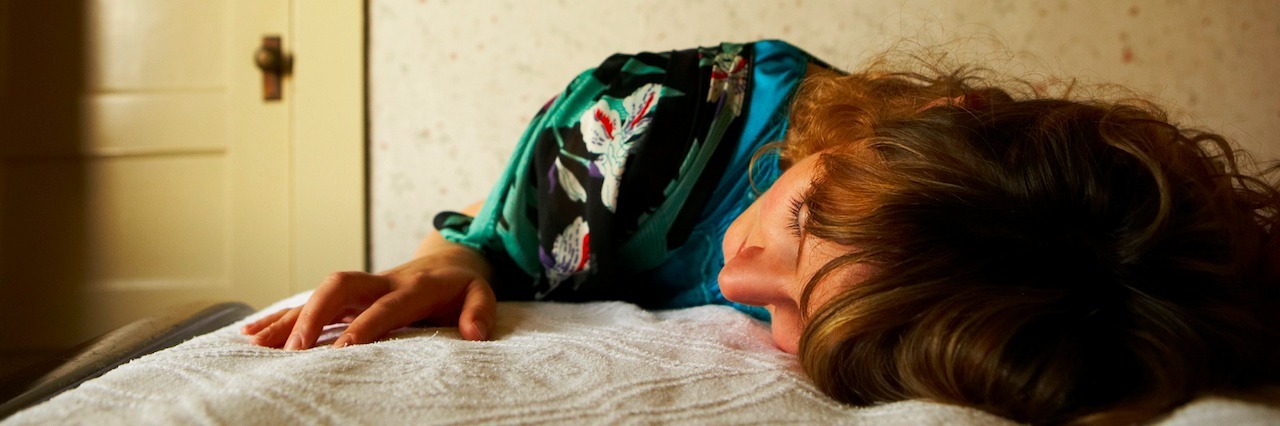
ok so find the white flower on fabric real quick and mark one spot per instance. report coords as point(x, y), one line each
point(570, 183)
point(610, 134)
point(569, 255)
point(729, 80)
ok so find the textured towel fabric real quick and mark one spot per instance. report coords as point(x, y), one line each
point(595, 363)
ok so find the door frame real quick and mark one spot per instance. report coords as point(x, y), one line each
point(329, 136)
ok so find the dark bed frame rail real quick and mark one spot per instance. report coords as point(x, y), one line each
point(119, 346)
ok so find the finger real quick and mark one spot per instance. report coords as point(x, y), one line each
point(256, 326)
point(329, 302)
point(274, 335)
point(396, 309)
point(478, 312)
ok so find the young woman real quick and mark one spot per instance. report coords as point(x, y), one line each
point(1047, 260)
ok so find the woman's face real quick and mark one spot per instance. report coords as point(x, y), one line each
point(769, 258)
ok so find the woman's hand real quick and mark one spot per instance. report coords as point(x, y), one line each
point(446, 286)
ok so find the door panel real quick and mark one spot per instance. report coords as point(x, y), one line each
point(188, 169)
point(140, 167)
point(157, 222)
point(156, 123)
point(150, 44)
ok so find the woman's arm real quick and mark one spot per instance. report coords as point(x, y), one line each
point(445, 284)
point(434, 240)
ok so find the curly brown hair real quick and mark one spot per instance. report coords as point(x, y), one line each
point(1047, 260)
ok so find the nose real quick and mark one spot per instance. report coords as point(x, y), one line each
point(741, 232)
point(750, 277)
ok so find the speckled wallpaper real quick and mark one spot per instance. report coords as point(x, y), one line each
point(453, 82)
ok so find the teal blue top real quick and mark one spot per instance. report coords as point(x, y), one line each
point(623, 186)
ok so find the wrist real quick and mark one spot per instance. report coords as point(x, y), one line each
point(458, 255)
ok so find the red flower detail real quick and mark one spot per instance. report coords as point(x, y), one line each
point(586, 251)
point(648, 102)
point(604, 121)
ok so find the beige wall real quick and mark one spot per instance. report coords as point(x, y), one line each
point(453, 82)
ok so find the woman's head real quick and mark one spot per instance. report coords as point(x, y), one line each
point(770, 259)
point(1042, 259)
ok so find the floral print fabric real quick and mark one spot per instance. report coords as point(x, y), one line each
point(612, 176)
point(611, 133)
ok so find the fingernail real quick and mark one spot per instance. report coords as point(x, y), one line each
point(294, 343)
point(343, 341)
point(480, 330)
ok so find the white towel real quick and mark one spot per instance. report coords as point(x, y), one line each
point(595, 363)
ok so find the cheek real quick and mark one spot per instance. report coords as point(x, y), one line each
point(836, 282)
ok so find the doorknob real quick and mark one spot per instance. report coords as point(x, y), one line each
point(274, 64)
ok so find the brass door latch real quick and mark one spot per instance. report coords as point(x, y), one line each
point(274, 64)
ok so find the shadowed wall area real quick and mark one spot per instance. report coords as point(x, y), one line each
point(42, 215)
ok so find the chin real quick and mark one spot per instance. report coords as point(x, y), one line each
point(786, 345)
point(785, 335)
point(784, 340)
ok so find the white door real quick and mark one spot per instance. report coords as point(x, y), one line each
point(184, 184)
point(187, 167)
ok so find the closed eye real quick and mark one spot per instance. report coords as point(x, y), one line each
point(794, 224)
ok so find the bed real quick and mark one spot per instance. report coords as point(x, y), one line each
point(594, 363)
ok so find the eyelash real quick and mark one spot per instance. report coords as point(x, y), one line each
point(794, 224)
